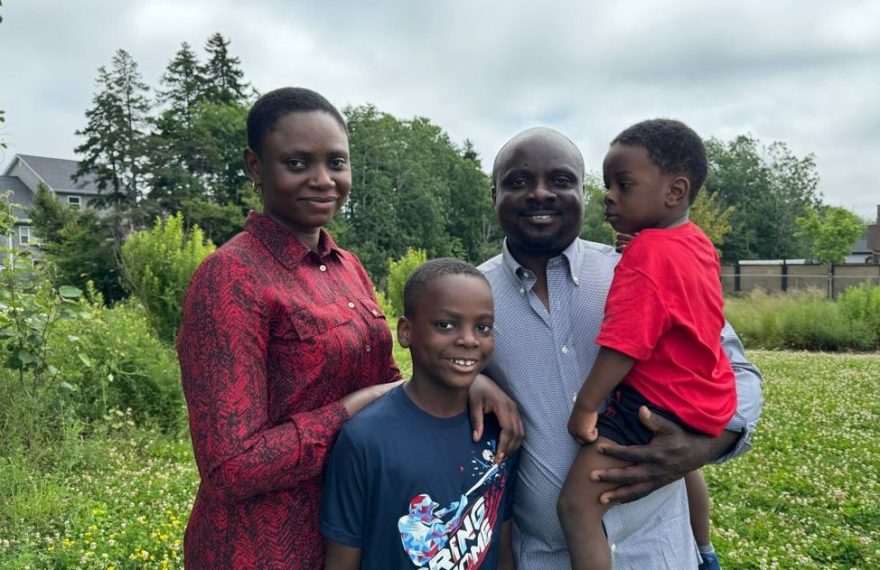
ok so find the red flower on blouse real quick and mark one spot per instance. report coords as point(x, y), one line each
point(273, 335)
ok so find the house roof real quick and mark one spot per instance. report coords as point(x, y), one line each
point(58, 174)
point(21, 194)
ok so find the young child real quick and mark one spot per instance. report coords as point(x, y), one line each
point(660, 340)
point(406, 485)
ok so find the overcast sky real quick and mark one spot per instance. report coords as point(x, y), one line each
point(804, 72)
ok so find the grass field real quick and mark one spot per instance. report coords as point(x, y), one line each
point(808, 496)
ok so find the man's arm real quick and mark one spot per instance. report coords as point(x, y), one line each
point(674, 452)
point(505, 548)
point(341, 556)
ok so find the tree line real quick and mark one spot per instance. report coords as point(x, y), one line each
point(177, 148)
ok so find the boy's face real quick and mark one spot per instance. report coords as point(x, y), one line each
point(450, 335)
point(639, 195)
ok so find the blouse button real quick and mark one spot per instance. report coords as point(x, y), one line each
point(350, 305)
point(323, 268)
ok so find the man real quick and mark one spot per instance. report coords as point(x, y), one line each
point(550, 288)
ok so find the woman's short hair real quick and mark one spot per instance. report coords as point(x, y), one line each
point(274, 105)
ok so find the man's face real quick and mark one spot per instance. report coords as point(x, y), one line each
point(538, 192)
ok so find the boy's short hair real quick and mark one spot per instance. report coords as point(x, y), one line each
point(419, 279)
point(673, 146)
point(274, 105)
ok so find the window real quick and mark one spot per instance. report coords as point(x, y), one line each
point(24, 235)
point(74, 202)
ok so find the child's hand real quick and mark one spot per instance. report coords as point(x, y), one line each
point(620, 241)
point(582, 424)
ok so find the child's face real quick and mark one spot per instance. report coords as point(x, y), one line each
point(450, 335)
point(639, 195)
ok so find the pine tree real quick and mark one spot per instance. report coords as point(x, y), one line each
point(113, 152)
point(225, 78)
point(174, 150)
point(185, 85)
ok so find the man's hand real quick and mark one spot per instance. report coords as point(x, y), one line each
point(484, 397)
point(620, 241)
point(582, 424)
point(671, 455)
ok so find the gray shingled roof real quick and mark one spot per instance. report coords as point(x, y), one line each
point(21, 194)
point(58, 174)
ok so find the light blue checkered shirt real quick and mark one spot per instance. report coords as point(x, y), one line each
point(541, 359)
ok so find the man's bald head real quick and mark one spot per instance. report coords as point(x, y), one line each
point(536, 135)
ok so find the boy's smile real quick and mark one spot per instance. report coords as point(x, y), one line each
point(449, 336)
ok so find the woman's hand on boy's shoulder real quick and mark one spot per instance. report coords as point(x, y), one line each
point(486, 397)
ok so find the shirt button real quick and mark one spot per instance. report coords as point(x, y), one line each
point(350, 305)
point(521, 290)
point(564, 350)
point(576, 279)
point(323, 268)
point(368, 348)
point(375, 314)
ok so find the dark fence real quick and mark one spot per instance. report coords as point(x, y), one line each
point(782, 276)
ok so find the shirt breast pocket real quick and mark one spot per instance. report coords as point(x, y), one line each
point(310, 343)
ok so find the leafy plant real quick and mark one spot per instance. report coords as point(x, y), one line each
point(159, 264)
point(398, 273)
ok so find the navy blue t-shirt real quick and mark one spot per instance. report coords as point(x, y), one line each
point(414, 491)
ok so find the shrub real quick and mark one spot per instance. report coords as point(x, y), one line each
point(862, 305)
point(115, 362)
point(398, 273)
point(806, 320)
point(159, 264)
point(821, 325)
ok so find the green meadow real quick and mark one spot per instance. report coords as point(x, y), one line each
point(807, 496)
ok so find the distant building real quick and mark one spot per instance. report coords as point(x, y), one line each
point(23, 177)
point(867, 248)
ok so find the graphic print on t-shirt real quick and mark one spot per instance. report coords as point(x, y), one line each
point(457, 536)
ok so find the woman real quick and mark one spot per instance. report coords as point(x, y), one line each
point(282, 341)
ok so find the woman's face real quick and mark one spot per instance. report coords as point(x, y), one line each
point(304, 172)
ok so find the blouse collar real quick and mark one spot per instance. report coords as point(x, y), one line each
point(283, 246)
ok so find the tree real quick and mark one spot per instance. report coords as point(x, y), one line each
point(831, 231)
point(413, 188)
point(185, 86)
point(769, 187)
point(594, 226)
point(224, 75)
point(711, 216)
point(78, 243)
point(114, 150)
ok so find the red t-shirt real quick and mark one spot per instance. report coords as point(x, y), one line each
point(273, 335)
point(665, 309)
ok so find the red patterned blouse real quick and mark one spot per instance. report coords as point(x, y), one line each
point(273, 335)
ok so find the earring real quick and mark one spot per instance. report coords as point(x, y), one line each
point(257, 187)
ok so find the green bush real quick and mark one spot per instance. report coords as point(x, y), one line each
point(806, 320)
point(821, 325)
point(862, 305)
point(116, 362)
point(398, 273)
point(158, 267)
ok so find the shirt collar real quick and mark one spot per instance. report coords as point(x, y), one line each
point(283, 246)
point(571, 255)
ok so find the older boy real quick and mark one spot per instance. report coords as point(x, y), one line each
point(407, 487)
